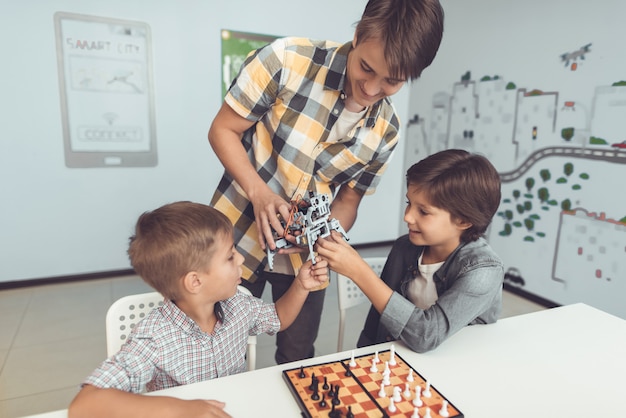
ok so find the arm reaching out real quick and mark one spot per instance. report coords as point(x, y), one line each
point(345, 260)
point(93, 402)
point(310, 277)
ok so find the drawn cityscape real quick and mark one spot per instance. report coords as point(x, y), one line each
point(561, 226)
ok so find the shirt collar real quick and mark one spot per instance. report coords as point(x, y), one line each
point(179, 318)
point(336, 79)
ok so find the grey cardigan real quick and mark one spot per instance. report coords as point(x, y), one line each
point(469, 288)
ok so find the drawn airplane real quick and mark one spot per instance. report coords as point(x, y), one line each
point(573, 56)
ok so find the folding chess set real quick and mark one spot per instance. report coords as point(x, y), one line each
point(374, 385)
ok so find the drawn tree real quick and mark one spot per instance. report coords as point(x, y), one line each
point(530, 183)
point(568, 169)
point(566, 205)
point(545, 174)
point(543, 194)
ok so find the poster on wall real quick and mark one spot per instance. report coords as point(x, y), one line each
point(553, 122)
point(235, 48)
point(106, 88)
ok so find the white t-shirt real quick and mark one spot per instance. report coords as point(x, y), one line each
point(422, 290)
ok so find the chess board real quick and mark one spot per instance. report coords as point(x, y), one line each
point(359, 389)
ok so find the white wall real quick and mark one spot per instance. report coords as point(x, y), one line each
point(565, 257)
point(58, 221)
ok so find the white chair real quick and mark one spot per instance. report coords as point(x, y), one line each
point(349, 294)
point(127, 311)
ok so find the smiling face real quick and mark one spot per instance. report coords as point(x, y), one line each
point(431, 226)
point(368, 77)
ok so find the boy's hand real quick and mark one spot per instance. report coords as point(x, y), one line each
point(341, 257)
point(312, 275)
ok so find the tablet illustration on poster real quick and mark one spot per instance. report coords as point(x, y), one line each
point(106, 88)
point(235, 48)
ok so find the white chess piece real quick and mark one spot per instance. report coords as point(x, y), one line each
point(392, 406)
point(410, 377)
point(426, 392)
point(416, 413)
point(352, 362)
point(444, 409)
point(427, 413)
point(396, 394)
point(392, 355)
point(376, 359)
point(373, 369)
point(386, 376)
point(417, 401)
point(381, 392)
point(407, 391)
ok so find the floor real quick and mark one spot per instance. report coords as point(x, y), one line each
point(48, 344)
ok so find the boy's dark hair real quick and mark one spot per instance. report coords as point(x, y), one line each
point(464, 184)
point(173, 240)
point(410, 30)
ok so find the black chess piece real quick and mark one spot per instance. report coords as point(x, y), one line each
point(301, 375)
point(334, 413)
point(349, 414)
point(323, 403)
point(336, 400)
point(325, 385)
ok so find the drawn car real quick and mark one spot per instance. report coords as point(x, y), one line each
point(513, 276)
point(619, 144)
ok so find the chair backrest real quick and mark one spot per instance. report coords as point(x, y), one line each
point(127, 311)
point(124, 314)
point(349, 294)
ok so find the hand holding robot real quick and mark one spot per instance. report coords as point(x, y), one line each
point(308, 220)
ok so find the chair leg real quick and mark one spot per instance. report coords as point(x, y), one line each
point(251, 356)
point(342, 318)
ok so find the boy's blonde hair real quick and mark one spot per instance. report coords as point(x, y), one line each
point(173, 240)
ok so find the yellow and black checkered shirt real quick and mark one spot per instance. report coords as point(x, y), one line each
point(293, 90)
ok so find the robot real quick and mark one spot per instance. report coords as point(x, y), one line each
point(308, 220)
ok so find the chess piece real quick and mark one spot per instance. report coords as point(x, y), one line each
point(407, 391)
point(382, 393)
point(352, 362)
point(392, 355)
point(444, 409)
point(396, 394)
point(426, 392)
point(410, 377)
point(416, 413)
point(392, 406)
point(374, 369)
point(349, 414)
point(417, 401)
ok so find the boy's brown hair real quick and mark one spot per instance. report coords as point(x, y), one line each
point(173, 240)
point(410, 30)
point(464, 184)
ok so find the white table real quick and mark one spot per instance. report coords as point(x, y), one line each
point(563, 362)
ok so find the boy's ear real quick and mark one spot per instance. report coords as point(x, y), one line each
point(461, 224)
point(192, 282)
point(354, 41)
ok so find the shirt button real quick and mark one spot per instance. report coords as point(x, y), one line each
point(335, 111)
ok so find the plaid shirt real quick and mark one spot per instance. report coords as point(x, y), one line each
point(168, 349)
point(293, 89)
